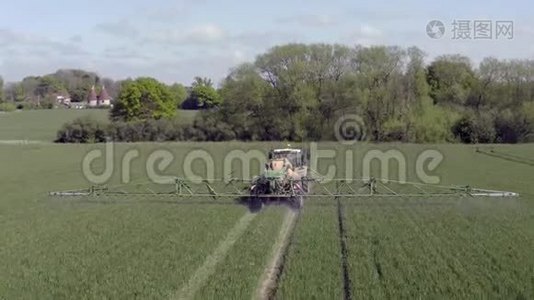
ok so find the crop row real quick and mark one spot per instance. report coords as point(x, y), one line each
point(429, 251)
point(313, 266)
point(109, 250)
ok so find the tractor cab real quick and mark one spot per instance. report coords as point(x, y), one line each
point(294, 157)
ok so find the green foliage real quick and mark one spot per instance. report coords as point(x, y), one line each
point(202, 95)
point(79, 93)
point(83, 130)
point(143, 99)
point(452, 79)
point(202, 81)
point(72, 82)
point(7, 107)
point(90, 130)
point(48, 85)
point(15, 92)
point(208, 127)
point(475, 128)
point(179, 92)
point(162, 130)
point(243, 91)
point(298, 92)
point(205, 96)
point(432, 125)
point(47, 103)
point(394, 130)
point(516, 126)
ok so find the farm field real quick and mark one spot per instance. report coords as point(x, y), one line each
point(165, 248)
point(42, 125)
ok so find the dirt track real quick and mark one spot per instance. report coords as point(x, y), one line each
point(269, 280)
point(201, 275)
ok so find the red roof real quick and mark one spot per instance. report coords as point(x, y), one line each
point(92, 94)
point(103, 94)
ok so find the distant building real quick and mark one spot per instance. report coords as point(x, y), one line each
point(65, 100)
point(92, 100)
point(103, 99)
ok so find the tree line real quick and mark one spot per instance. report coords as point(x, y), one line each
point(297, 92)
point(40, 92)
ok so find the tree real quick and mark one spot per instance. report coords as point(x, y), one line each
point(202, 81)
point(15, 92)
point(379, 72)
point(452, 79)
point(206, 96)
point(243, 92)
point(48, 85)
point(142, 99)
point(179, 92)
point(203, 95)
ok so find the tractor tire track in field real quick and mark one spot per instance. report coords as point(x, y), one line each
point(347, 285)
point(270, 279)
point(208, 267)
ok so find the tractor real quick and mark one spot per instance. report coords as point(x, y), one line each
point(283, 180)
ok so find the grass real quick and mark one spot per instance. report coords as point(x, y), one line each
point(438, 249)
point(111, 251)
point(313, 268)
point(397, 248)
point(42, 125)
point(423, 248)
point(237, 277)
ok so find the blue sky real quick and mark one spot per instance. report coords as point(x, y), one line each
point(175, 40)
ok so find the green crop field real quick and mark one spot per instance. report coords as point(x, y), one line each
point(150, 247)
point(42, 125)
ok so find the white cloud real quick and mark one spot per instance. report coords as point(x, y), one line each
point(178, 10)
point(365, 35)
point(311, 20)
point(206, 33)
point(369, 31)
point(121, 28)
point(124, 53)
point(203, 34)
point(20, 43)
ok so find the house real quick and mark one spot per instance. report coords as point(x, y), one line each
point(92, 100)
point(103, 99)
point(63, 99)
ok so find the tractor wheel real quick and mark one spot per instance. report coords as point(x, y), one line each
point(297, 202)
point(255, 204)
